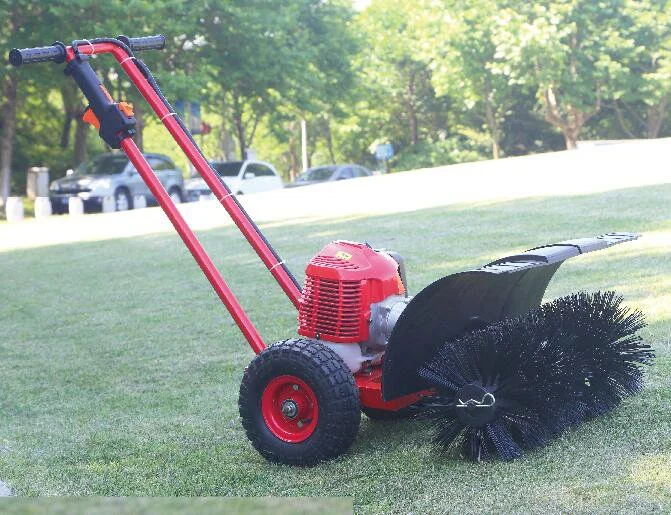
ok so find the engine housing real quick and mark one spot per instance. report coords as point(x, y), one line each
point(342, 282)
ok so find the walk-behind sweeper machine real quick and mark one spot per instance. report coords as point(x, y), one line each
point(475, 352)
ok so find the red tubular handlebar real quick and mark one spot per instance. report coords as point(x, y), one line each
point(204, 169)
point(222, 193)
point(195, 247)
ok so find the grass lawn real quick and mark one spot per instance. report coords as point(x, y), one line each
point(176, 505)
point(120, 369)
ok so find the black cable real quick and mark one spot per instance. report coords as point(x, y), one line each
point(150, 79)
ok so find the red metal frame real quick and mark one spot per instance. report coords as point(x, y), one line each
point(369, 383)
point(215, 185)
point(195, 247)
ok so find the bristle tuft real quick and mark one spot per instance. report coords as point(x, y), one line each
point(568, 360)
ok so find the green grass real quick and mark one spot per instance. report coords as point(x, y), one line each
point(177, 505)
point(120, 369)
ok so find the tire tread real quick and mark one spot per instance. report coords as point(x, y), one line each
point(332, 382)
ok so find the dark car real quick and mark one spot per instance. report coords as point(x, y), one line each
point(327, 173)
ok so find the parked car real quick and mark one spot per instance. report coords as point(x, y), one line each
point(242, 177)
point(327, 173)
point(114, 175)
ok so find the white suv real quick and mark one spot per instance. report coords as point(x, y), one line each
point(242, 177)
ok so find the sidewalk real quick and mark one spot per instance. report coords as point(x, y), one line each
point(601, 168)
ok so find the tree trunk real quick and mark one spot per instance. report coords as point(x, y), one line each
point(239, 126)
point(493, 125)
point(571, 139)
point(7, 136)
point(574, 120)
point(294, 160)
point(240, 130)
point(412, 122)
point(412, 114)
point(65, 132)
point(71, 107)
point(329, 139)
point(656, 117)
point(81, 136)
point(226, 144)
point(68, 115)
point(621, 120)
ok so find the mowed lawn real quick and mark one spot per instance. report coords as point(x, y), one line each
point(120, 368)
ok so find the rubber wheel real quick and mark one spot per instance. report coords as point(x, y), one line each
point(380, 415)
point(122, 200)
point(299, 403)
point(175, 195)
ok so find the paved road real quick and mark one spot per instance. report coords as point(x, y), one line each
point(605, 168)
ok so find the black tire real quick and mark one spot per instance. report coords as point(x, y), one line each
point(336, 393)
point(176, 193)
point(380, 415)
point(56, 208)
point(122, 195)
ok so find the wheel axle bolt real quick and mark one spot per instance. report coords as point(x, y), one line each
point(295, 387)
point(289, 409)
point(300, 424)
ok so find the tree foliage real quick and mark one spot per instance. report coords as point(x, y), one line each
point(442, 80)
point(574, 54)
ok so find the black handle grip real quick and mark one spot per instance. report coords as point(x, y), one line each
point(144, 43)
point(55, 53)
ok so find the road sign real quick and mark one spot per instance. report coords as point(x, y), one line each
point(384, 152)
point(194, 117)
point(189, 112)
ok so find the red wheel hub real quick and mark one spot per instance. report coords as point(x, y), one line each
point(289, 408)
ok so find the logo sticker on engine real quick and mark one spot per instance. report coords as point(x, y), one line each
point(343, 255)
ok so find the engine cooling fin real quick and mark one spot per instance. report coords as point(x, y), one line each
point(462, 302)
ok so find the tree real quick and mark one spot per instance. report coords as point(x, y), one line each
point(19, 30)
point(168, 17)
point(323, 86)
point(398, 80)
point(274, 62)
point(458, 42)
point(641, 103)
point(249, 52)
point(569, 51)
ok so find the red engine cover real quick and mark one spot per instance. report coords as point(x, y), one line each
point(341, 283)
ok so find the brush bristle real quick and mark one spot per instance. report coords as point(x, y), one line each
point(604, 344)
point(570, 359)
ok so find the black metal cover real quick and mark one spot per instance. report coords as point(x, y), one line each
point(469, 300)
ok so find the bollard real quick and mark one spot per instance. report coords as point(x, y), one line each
point(75, 206)
point(139, 202)
point(42, 207)
point(37, 182)
point(109, 204)
point(14, 209)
